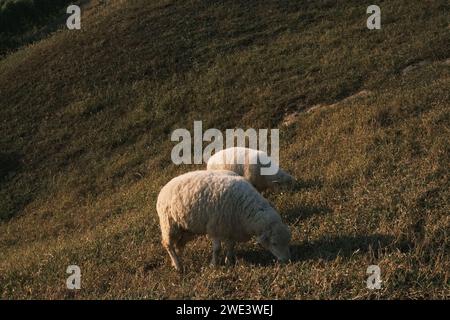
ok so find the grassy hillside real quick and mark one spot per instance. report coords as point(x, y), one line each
point(85, 146)
point(25, 21)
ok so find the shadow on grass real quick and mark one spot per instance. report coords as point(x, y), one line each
point(9, 163)
point(307, 184)
point(327, 248)
point(11, 202)
point(299, 213)
point(296, 186)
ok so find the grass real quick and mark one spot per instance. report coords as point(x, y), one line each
point(25, 21)
point(86, 118)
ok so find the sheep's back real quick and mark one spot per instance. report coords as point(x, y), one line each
point(243, 161)
point(190, 199)
point(209, 202)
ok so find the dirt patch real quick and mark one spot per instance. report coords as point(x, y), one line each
point(446, 62)
point(423, 63)
point(415, 66)
point(292, 117)
point(360, 94)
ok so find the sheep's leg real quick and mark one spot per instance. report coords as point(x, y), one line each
point(173, 256)
point(231, 254)
point(181, 243)
point(216, 252)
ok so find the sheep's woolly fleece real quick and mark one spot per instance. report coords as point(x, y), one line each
point(248, 164)
point(221, 204)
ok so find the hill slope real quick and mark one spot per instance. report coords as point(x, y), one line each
point(86, 118)
point(26, 21)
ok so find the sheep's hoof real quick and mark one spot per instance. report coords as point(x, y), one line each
point(214, 263)
point(229, 261)
point(177, 267)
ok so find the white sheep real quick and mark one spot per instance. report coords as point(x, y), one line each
point(248, 164)
point(222, 205)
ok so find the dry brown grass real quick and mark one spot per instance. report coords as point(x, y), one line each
point(85, 148)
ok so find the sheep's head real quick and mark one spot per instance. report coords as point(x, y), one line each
point(280, 180)
point(276, 239)
point(286, 178)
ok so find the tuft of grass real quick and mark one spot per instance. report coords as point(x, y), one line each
point(86, 118)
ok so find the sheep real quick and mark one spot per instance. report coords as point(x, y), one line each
point(248, 163)
point(225, 207)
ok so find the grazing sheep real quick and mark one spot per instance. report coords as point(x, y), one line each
point(222, 205)
point(248, 163)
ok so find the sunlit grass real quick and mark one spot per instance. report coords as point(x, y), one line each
point(85, 147)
